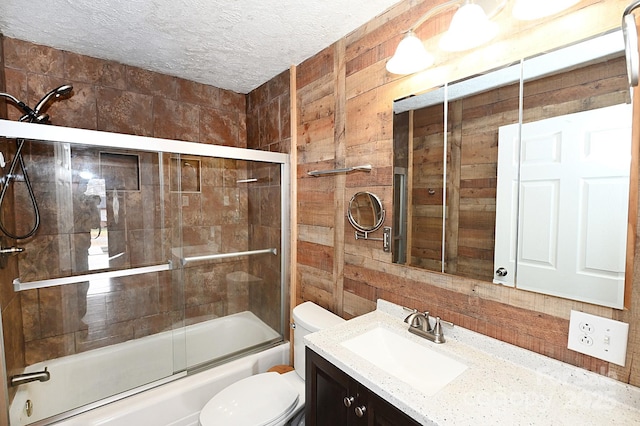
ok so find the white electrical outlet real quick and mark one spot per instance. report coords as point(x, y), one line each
point(599, 337)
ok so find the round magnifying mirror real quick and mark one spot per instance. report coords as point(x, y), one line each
point(365, 212)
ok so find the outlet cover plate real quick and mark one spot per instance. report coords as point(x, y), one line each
point(598, 337)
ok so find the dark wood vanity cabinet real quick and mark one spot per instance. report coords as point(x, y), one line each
point(333, 398)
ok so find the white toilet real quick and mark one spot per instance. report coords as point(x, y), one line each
point(270, 399)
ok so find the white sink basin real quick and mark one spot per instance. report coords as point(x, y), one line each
point(418, 366)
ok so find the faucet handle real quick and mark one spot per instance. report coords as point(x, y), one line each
point(447, 323)
point(437, 331)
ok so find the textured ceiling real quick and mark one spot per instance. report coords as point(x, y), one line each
point(234, 45)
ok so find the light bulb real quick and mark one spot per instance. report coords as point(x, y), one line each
point(410, 56)
point(469, 28)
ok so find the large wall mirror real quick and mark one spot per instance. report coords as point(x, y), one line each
point(521, 176)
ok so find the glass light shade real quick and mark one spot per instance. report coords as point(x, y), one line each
point(529, 10)
point(410, 56)
point(469, 28)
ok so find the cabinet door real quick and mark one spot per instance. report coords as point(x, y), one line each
point(381, 413)
point(333, 398)
point(326, 388)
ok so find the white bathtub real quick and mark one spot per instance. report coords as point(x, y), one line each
point(81, 379)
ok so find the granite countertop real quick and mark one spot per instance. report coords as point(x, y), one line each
point(503, 384)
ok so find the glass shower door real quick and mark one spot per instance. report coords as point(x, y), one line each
point(231, 257)
point(99, 305)
point(144, 264)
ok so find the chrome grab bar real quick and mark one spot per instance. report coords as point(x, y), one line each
point(186, 260)
point(363, 168)
point(52, 282)
point(39, 376)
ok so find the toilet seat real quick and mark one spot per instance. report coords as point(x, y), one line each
point(260, 400)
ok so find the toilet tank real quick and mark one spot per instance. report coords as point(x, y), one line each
point(308, 318)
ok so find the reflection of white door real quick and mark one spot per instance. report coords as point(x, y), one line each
point(573, 205)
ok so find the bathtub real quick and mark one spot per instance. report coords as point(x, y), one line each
point(109, 373)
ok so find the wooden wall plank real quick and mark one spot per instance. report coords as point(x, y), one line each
point(294, 287)
point(315, 255)
point(530, 320)
point(315, 67)
point(339, 203)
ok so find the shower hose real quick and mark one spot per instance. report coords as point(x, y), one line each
point(7, 180)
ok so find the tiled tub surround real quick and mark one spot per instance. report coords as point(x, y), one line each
point(503, 384)
point(189, 279)
point(118, 98)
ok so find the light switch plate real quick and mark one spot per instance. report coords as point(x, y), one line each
point(599, 337)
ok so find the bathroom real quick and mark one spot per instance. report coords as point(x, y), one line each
point(343, 118)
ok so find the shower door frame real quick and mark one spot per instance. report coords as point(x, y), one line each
point(21, 130)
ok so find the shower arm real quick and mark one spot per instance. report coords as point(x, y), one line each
point(29, 113)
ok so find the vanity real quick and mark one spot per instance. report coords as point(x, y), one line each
point(372, 370)
point(339, 399)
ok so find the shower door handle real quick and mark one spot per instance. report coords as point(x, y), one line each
point(52, 282)
point(215, 256)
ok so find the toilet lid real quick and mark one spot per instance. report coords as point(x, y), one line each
point(254, 401)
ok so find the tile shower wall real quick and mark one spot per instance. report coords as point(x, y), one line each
point(113, 97)
point(10, 301)
point(268, 128)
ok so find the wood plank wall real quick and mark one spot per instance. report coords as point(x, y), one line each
point(344, 118)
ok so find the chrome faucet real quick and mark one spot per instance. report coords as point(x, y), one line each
point(420, 325)
point(419, 320)
point(21, 379)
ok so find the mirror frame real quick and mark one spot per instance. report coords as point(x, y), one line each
point(378, 210)
point(409, 103)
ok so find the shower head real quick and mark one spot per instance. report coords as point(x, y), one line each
point(54, 94)
point(35, 115)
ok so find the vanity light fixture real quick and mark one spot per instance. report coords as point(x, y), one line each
point(410, 56)
point(470, 27)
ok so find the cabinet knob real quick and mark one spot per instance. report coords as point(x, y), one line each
point(347, 401)
point(360, 411)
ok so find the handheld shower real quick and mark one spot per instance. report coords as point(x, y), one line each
point(56, 93)
point(34, 115)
